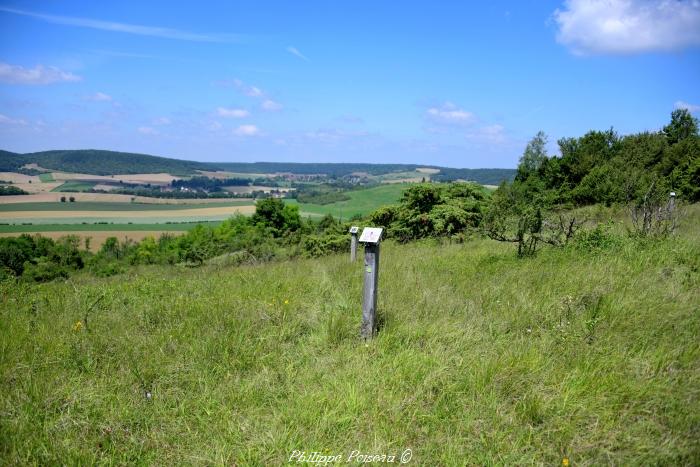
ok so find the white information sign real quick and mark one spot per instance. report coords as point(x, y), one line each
point(371, 235)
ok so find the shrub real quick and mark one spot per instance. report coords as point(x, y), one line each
point(44, 270)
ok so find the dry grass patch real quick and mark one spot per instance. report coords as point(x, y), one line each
point(18, 178)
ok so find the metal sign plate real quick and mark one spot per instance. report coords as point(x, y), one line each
point(354, 229)
point(371, 235)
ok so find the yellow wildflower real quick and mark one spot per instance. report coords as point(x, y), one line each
point(565, 462)
point(286, 302)
point(77, 326)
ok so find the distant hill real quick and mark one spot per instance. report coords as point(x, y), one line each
point(99, 162)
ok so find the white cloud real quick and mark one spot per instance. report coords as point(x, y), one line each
point(449, 114)
point(250, 91)
point(153, 31)
point(99, 97)
point(684, 105)
point(232, 113)
point(246, 130)
point(628, 26)
point(270, 105)
point(15, 74)
point(489, 134)
point(5, 120)
point(162, 121)
point(147, 130)
point(294, 51)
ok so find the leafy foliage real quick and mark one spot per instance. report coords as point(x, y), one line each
point(9, 190)
point(432, 210)
point(603, 167)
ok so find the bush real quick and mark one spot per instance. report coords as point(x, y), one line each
point(600, 238)
point(44, 270)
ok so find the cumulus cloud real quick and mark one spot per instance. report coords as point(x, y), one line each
point(15, 74)
point(449, 114)
point(99, 97)
point(294, 51)
point(684, 105)
point(147, 130)
point(246, 130)
point(232, 113)
point(589, 27)
point(270, 105)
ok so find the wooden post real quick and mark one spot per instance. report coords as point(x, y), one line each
point(353, 243)
point(672, 202)
point(370, 237)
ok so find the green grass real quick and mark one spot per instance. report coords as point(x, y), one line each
point(116, 227)
point(113, 206)
point(482, 359)
point(361, 202)
point(73, 186)
point(46, 177)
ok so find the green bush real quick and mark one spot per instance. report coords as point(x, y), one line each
point(44, 270)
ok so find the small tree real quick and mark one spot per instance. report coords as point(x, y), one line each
point(682, 126)
point(63, 199)
point(534, 156)
point(72, 199)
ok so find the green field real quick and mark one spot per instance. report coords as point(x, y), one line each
point(73, 186)
point(46, 177)
point(588, 354)
point(113, 206)
point(116, 227)
point(361, 202)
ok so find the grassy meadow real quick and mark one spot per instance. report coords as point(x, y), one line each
point(361, 202)
point(585, 353)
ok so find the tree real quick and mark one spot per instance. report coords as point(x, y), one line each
point(275, 214)
point(533, 157)
point(682, 126)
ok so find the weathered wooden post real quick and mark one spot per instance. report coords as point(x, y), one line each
point(370, 237)
point(672, 202)
point(353, 243)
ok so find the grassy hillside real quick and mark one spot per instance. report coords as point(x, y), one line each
point(361, 202)
point(587, 354)
point(100, 162)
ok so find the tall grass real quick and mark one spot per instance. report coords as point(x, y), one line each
point(589, 354)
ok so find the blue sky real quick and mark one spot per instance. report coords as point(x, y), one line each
point(461, 84)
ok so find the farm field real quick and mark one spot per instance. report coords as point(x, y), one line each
point(54, 198)
point(17, 229)
point(75, 186)
point(482, 358)
point(81, 213)
point(361, 202)
point(115, 206)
